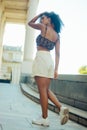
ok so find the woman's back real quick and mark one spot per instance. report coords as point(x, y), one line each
point(47, 38)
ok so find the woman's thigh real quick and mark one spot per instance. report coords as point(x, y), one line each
point(42, 82)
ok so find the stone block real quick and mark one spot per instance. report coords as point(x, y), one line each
point(81, 105)
point(83, 121)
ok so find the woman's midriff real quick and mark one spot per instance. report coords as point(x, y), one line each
point(39, 48)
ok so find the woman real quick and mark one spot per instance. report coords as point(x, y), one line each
point(43, 68)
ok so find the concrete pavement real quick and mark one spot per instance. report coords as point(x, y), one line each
point(17, 112)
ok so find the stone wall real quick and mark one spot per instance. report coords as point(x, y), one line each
point(69, 89)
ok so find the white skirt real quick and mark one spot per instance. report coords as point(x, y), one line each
point(43, 65)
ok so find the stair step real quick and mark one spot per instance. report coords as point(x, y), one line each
point(75, 114)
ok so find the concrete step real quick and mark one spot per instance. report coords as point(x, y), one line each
point(75, 114)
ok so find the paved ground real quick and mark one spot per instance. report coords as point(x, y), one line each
point(17, 112)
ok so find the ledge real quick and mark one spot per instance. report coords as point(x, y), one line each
point(73, 77)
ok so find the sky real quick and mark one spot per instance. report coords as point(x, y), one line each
point(73, 51)
point(14, 35)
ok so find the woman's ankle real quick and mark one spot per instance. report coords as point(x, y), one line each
point(59, 107)
point(44, 116)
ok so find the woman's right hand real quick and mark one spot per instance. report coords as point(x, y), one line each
point(55, 74)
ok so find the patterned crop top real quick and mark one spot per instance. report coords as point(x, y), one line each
point(44, 42)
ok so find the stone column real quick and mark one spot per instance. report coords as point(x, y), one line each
point(2, 24)
point(29, 38)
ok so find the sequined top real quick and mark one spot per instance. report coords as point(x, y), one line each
point(44, 42)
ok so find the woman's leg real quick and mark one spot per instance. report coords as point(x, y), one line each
point(43, 86)
point(53, 98)
point(45, 93)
